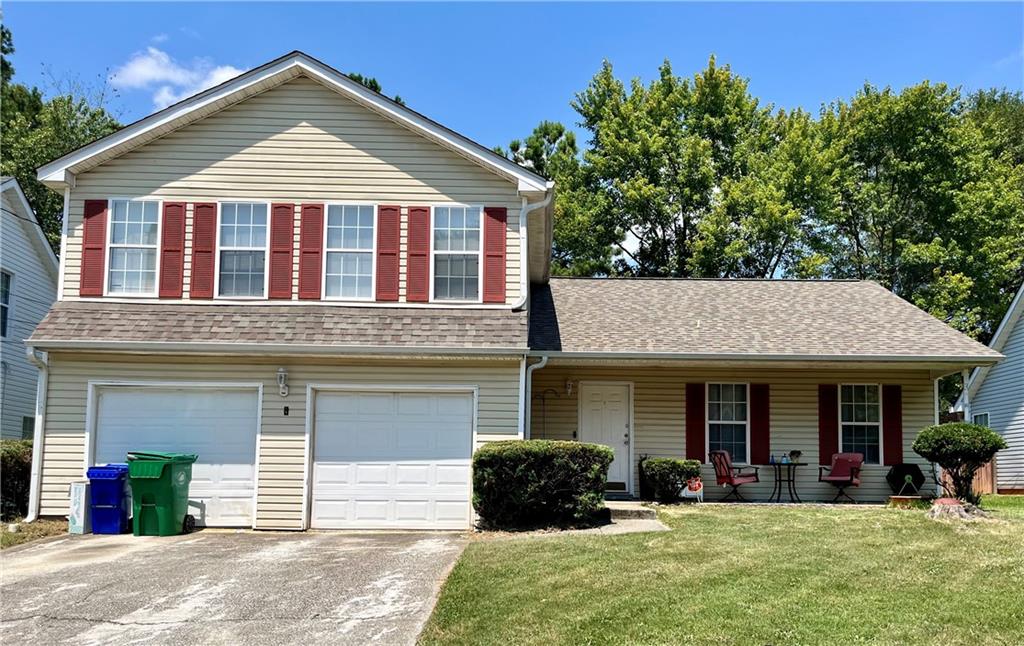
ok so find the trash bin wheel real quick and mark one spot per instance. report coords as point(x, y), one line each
point(189, 525)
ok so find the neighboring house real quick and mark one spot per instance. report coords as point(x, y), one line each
point(28, 286)
point(327, 296)
point(995, 397)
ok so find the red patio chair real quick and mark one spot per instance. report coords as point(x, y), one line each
point(844, 472)
point(726, 474)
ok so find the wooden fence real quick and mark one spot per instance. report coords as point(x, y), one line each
point(984, 479)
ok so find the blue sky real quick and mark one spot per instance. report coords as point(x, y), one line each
point(492, 71)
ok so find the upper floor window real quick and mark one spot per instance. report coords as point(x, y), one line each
point(457, 253)
point(242, 239)
point(5, 302)
point(349, 240)
point(133, 247)
point(728, 423)
point(980, 418)
point(860, 417)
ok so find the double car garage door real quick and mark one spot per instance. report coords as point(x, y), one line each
point(380, 458)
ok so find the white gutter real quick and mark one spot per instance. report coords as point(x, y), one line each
point(527, 386)
point(40, 361)
point(524, 245)
point(272, 348)
point(753, 356)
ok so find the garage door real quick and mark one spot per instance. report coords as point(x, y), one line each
point(218, 425)
point(392, 460)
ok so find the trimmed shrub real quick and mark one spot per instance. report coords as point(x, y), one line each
point(646, 490)
point(15, 477)
point(960, 449)
point(668, 475)
point(538, 483)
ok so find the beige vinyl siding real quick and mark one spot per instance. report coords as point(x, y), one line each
point(282, 449)
point(659, 412)
point(299, 142)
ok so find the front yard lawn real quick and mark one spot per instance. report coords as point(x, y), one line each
point(746, 575)
point(31, 531)
point(1008, 507)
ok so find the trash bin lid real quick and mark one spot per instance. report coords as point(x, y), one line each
point(146, 469)
point(107, 472)
point(160, 456)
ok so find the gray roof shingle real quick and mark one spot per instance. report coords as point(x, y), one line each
point(284, 325)
point(738, 317)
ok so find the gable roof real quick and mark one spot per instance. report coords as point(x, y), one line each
point(10, 186)
point(749, 320)
point(1010, 319)
point(59, 172)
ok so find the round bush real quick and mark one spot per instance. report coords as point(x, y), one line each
point(538, 483)
point(668, 475)
point(960, 449)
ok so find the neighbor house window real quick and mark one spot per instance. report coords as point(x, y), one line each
point(457, 253)
point(980, 418)
point(727, 420)
point(860, 417)
point(243, 249)
point(28, 427)
point(5, 302)
point(133, 247)
point(349, 271)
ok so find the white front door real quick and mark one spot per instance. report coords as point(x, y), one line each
point(217, 425)
point(604, 419)
point(392, 460)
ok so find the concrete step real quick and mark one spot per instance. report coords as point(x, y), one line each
point(630, 509)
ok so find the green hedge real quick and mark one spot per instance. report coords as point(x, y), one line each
point(15, 476)
point(960, 449)
point(538, 483)
point(666, 476)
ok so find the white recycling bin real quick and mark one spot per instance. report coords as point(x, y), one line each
point(79, 519)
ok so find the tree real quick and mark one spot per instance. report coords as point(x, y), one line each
point(960, 449)
point(372, 84)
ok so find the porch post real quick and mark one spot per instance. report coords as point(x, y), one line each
point(966, 374)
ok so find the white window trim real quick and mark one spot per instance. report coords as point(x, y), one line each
point(266, 252)
point(109, 246)
point(881, 430)
point(707, 418)
point(372, 251)
point(480, 255)
point(10, 303)
point(974, 416)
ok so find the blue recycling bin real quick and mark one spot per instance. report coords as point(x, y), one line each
point(108, 499)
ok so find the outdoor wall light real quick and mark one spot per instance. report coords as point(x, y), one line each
point(568, 387)
point(282, 381)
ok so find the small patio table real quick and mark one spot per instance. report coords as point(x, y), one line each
point(785, 473)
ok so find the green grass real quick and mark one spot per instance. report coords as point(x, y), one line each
point(746, 575)
point(31, 531)
point(1008, 507)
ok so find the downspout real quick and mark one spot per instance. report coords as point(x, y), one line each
point(524, 247)
point(41, 361)
point(527, 388)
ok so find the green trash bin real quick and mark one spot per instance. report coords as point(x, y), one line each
point(159, 483)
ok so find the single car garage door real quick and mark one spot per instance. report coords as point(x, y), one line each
point(397, 460)
point(217, 424)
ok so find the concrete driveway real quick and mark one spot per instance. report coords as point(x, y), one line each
point(223, 587)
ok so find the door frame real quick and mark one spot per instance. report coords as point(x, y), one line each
point(312, 389)
point(632, 426)
point(92, 416)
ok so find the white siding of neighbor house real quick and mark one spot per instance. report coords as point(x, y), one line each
point(1001, 395)
point(659, 413)
point(282, 447)
point(300, 142)
point(33, 290)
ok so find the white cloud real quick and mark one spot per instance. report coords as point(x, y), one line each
point(160, 38)
point(169, 80)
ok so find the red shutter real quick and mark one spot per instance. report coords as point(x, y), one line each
point(494, 254)
point(695, 422)
point(892, 423)
point(94, 243)
point(282, 245)
point(760, 423)
point(417, 267)
point(388, 232)
point(828, 422)
point(172, 249)
point(204, 237)
point(311, 244)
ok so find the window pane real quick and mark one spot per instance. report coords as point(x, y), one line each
point(473, 218)
point(242, 273)
point(349, 275)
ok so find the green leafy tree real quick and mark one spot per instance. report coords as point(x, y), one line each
point(960, 449)
point(372, 84)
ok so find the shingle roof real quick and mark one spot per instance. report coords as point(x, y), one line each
point(738, 317)
point(283, 325)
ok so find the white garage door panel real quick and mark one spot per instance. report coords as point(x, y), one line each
point(217, 425)
point(392, 460)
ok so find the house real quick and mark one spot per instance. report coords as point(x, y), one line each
point(333, 300)
point(28, 286)
point(994, 397)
